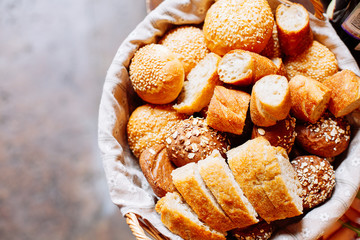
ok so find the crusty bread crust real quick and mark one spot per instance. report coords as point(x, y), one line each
point(272, 48)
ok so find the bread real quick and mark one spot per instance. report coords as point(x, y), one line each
point(328, 137)
point(294, 30)
point(156, 74)
point(188, 44)
point(199, 88)
point(281, 70)
point(267, 179)
point(192, 188)
point(180, 219)
point(243, 68)
point(157, 168)
point(219, 179)
point(317, 178)
point(317, 62)
point(149, 125)
point(227, 110)
point(309, 98)
point(238, 24)
point(272, 48)
point(192, 140)
point(345, 95)
point(259, 231)
point(270, 100)
point(282, 134)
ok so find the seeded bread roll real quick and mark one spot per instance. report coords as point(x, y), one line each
point(259, 231)
point(328, 137)
point(293, 26)
point(345, 95)
point(192, 140)
point(282, 134)
point(156, 74)
point(180, 219)
point(309, 98)
point(317, 62)
point(227, 110)
point(238, 24)
point(317, 178)
point(157, 168)
point(188, 44)
point(149, 125)
point(272, 48)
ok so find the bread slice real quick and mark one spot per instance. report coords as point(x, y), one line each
point(180, 219)
point(345, 94)
point(191, 186)
point(219, 179)
point(199, 87)
point(294, 30)
point(267, 178)
point(309, 98)
point(270, 100)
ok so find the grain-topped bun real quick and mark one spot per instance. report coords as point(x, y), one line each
point(192, 140)
point(188, 44)
point(317, 62)
point(317, 178)
point(328, 137)
point(294, 30)
point(259, 231)
point(157, 168)
point(149, 125)
point(156, 74)
point(238, 24)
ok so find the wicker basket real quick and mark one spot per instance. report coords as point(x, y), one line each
point(142, 229)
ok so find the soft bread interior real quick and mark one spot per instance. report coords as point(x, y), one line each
point(321, 106)
point(235, 66)
point(292, 18)
point(272, 90)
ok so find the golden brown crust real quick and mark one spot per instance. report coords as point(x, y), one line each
point(227, 110)
point(258, 117)
point(345, 96)
point(309, 98)
point(281, 70)
point(272, 48)
point(157, 168)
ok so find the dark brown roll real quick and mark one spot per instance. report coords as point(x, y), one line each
point(192, 140)
point(328, 137)
point(317, 178)
point(259, 231)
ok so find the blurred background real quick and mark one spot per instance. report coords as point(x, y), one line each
point(53, 60)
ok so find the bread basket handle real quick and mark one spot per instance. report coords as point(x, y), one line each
point(318, 6)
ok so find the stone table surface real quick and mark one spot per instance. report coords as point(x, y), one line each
point(53, 59)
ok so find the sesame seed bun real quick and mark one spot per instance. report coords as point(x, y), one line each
point(156, 74)
point(238, 24)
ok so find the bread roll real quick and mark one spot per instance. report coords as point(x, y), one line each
point(309, 98)
point(149, 125)
point(270, 100)
point(188, 44)
point(317, 62)
point(267, 179)
point(227, 110)
point(199, 88)
point(345, 95)
point(219, 179)
point(156, 74)
point(180, 219)
point(243, 68)
point(238, 24)
point(294, 30)
point(259, 231)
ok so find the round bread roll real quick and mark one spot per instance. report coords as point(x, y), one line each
point(192, 140)
point(282, 134)
point(157, 168)
point(149, 124)
point(259, 231)
point(317, 178)
point(328, 137)
point(156, 74)
point(238, 24)
point(188, 43)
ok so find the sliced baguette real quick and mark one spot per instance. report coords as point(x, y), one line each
point(180, 219)
point(199, 87)
point(219, 179)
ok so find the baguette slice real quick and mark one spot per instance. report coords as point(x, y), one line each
point(219, 179)
point(267, 178)
point(191, 186)
point(345, 92)
point(180, 219)
point(199, 87)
